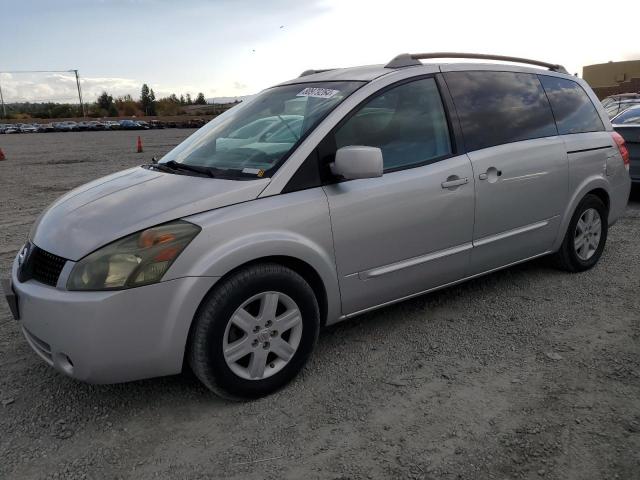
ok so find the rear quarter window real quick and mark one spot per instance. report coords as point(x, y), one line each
point(572, 108)
point(500, 107)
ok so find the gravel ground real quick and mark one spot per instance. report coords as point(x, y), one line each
point(525, 373)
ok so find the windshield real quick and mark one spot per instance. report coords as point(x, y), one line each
point(628, 117)
point(254, 138)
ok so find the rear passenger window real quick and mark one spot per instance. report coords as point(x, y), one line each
point(500, 107)
point(406, 122)
point(572, 107)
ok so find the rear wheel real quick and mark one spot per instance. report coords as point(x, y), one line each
point(586, 236)
point(254, 332)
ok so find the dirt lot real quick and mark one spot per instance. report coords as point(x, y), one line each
point(526, 373)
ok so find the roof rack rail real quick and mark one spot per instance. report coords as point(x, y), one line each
point(311, 72)
point(410, 59)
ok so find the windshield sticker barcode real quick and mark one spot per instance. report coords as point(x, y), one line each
point(317, 92)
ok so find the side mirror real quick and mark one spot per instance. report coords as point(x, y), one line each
point(355, 162)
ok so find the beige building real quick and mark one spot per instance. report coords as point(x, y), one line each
point(613, 77)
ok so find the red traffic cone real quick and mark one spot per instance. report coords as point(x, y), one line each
point(2, 157)
point(139, 144)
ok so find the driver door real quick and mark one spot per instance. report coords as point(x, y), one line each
point(411, 229)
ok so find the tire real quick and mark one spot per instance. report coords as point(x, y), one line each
point(234, 318)
point(574, 259)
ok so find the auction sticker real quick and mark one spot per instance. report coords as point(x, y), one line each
point(317, 92)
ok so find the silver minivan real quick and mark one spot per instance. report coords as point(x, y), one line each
point(324, 197)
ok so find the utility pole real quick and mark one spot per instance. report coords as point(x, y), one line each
point(84, 113)
point(4, 109)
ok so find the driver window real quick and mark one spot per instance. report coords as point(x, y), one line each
point(406, 122)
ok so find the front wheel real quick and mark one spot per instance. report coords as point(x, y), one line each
point(586, 236)
point(254, 332)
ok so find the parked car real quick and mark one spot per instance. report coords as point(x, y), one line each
point(620, 97)
point(46, 128)
point(401, 179)
point(27, 128)
point(68, 126)
point(627, 124)
point(156, 124)
point(96, 125)
point(143, 125)
point(193, 123)
point(112, 125)
point(9, 128)
point(617, 107)
point(129, 125)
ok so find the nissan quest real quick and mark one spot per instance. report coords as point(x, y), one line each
point(316, 200)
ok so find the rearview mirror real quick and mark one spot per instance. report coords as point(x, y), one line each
point(355, 162)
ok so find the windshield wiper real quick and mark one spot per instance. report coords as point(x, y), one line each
point(158, 166)
point(173, 165)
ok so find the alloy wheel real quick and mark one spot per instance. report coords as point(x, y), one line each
point(262, 335)
point(587, 234)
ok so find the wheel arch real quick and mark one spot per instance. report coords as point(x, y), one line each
point(304, 269)
point(595, 186)
point(602, 194)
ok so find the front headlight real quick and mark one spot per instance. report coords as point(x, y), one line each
point(138, 259)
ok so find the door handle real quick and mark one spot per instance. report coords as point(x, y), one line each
point(454, 181)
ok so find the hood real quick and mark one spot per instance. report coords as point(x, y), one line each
point(111, 207)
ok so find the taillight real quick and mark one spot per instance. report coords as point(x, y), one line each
point(622, 147)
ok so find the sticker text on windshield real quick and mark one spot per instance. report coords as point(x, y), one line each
point(317, 92)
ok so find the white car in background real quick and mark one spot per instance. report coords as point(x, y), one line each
point(28, 128)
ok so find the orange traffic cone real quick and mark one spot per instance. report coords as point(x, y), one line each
point(139, 144)
point(2, 157)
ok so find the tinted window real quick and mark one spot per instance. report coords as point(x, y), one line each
point(406, 122)
point(572, 108)
point(500, 107)
point(630, 116)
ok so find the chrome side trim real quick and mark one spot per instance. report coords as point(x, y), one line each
point(525, 177)
point(397, 300)
point(394, 267)
point(511, 233)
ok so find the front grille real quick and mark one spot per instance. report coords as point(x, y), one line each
point(41, 266)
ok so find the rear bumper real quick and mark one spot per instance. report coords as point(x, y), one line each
point(109, 337)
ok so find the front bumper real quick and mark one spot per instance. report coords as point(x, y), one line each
point(113, 336)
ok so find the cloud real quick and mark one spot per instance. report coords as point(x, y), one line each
point(61, 87)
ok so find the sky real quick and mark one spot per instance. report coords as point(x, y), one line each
point(227, 48)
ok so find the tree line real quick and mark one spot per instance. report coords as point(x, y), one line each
point(108, 106)
point(147, 105)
